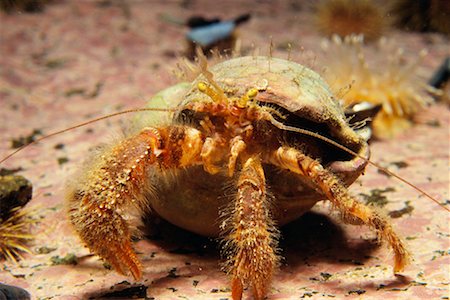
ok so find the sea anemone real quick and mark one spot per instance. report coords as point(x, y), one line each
point(14, 234)
point(387, 81)
point(346, 17)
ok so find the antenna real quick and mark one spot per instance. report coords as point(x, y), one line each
point(84, 124)
point(280, 125)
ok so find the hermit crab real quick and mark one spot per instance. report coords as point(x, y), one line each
point(268, 127)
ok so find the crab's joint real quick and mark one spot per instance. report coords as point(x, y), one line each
point(154, 140)
point(180, 146)
point(237, 146)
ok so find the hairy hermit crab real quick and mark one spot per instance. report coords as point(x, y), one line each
point(269, 126)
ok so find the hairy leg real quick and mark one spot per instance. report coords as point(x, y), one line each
point(297, 162)
point(251, 242)
point(113, 185)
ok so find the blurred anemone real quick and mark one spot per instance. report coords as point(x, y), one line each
point(388, 81)
point(346, 17)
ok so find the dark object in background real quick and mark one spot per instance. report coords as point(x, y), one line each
point(441, 76)
point(28, 6)
point(138, 291)
point(422, 15)
point(440, 80)
point(15, 191)
point(25, 140)
point(360, 117)
point(8, 292)
point(209, 34)
point(198, 21)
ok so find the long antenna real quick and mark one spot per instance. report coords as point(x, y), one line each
point(84, 124)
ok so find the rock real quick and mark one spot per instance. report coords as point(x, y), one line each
point(9, 292)
point(15, 191)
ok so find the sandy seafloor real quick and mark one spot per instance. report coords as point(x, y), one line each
point(51, 64)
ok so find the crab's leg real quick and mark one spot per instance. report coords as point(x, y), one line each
point(297, 162)
point(101, 202)
point(251, 242)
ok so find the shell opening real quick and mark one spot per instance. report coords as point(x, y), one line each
point(314, 146)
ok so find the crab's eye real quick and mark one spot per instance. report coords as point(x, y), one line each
point(213, 92)
point(251, 93)
point(202, 86)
